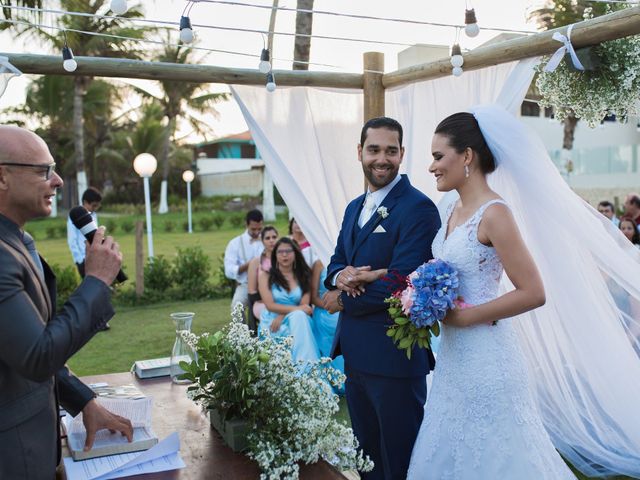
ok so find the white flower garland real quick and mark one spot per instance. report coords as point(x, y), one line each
point(612, 89)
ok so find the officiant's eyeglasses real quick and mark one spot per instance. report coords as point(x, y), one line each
point(46, 170)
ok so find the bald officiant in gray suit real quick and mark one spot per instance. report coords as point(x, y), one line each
point(35, 341)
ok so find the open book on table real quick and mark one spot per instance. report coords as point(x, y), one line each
point(126, 401)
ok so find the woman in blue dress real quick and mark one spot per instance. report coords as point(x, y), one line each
point(324, 323)
point(286, 293)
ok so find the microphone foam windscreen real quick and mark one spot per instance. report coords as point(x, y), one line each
point(80, 216)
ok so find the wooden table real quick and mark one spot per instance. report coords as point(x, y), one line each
point(201, 447)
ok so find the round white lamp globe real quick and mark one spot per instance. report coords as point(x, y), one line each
point(264, 66)
point(145, 164)
point(188, 176)
point(70, 65)
point(457, 71)
point(119, 7)
point(186, 35)
point(271, 87)
point(457, 61)
point(472, 30)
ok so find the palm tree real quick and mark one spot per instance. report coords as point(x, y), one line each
point(90, 45)
point(304, 27)
point(559, 13)
point(8, 12)
point(179, 101)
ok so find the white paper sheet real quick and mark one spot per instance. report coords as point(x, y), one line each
point(161, 457)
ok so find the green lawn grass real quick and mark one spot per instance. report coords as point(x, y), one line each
point(139, 333)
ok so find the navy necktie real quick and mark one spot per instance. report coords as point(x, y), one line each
point(31, 248)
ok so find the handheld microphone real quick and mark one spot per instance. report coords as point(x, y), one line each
point(83, 221)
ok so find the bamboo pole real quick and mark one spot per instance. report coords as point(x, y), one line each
point(590, 32)
point(372, 85)
point(584, 34)
point(124, 68)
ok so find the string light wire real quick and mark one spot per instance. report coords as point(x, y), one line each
point(157, 42)
point(249, 30)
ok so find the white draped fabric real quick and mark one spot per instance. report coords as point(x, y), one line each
point(308, 137)
point(582, 345)
point(583, 365)
point(419, 108)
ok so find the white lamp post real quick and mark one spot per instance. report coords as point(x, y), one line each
point(188, 177)
point(145, 165)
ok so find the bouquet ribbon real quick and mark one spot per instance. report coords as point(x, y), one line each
point(557, 57)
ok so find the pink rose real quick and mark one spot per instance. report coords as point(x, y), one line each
point(407, 299)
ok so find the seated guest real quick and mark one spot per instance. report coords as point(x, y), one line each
point(269, 237)
point(285, 291)
point(632, 207)
point(296, 233)
point(324, 323)
point(630, 230)
point(608, 210)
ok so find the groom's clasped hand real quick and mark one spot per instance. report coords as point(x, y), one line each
point(352, 281)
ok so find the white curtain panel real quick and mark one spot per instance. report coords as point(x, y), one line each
point(308, 137)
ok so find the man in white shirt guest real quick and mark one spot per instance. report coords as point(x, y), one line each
point(239, 253)
point(91, 200)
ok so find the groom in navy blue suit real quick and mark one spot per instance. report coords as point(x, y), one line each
point(390, 228)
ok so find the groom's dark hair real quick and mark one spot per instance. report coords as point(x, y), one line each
point(463, 132)
point(381, 122)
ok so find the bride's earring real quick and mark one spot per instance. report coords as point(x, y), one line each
point(466, 171)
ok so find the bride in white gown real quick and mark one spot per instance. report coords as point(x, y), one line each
point(481, 420)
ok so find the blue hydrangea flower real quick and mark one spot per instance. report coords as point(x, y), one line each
point(436, 287)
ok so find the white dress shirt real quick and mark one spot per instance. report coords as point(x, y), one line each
point(240, 250)
point(377, 198)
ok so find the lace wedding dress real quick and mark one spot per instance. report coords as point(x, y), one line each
point(480, 420)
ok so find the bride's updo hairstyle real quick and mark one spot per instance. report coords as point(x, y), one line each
point(463, 131)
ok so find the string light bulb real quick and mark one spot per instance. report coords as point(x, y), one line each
point(265, 65)
point(471, 28)
point(456, 71)
point(456, 56)
point(119, 7)
point(186, 32)
point(68, 62)
point(271, 82)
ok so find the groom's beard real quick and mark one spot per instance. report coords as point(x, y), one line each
point(378, 181)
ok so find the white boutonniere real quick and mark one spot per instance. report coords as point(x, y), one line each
point(383, 212)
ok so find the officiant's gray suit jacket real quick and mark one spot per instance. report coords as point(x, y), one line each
point(35, 343)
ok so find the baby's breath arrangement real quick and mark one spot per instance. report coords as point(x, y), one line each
point(613, 88)
point(291, 408)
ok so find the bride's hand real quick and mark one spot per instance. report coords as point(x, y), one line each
point(456, 318)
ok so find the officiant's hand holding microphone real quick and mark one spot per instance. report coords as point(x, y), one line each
point(103, 257)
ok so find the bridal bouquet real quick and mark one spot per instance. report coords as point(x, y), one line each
point(423, 299)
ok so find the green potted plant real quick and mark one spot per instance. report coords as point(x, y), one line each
point(280, 413)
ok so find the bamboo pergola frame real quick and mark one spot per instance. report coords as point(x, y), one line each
point(372, 81)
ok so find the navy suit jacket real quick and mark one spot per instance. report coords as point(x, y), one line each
point(410, 227)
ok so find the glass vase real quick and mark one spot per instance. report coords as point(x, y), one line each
point(181, 352)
